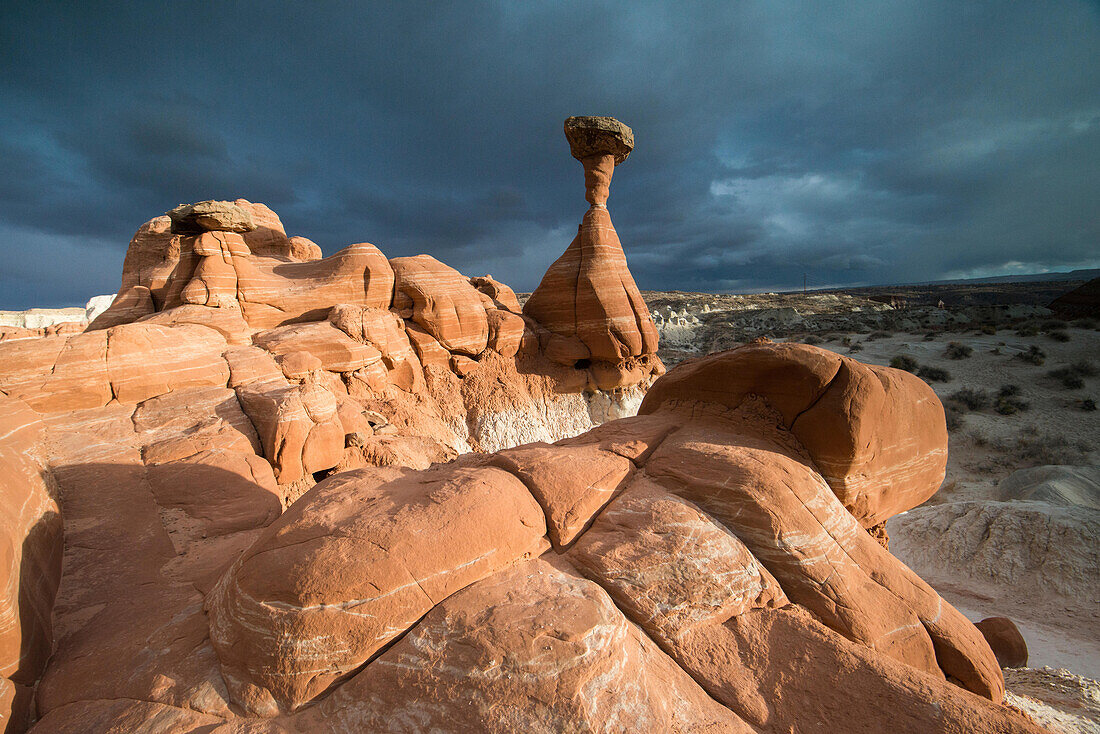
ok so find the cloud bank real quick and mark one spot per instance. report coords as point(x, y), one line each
point(851, 143)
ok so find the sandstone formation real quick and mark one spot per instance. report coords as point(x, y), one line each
point(266, 492)
point(588, 301)
point(688, 569)
point(1005, 640)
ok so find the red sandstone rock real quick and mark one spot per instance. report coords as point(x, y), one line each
point(669, 566)
point(298, 425)
point(505, 331)
point(428, 349)
point(30, 559)
point(131, 305)
point(571, 484)
point(876, 434)
point(730, 585)
point(443, 303)
point(385, 331)
point(274, 292)
point(223, 491)
point(358, 574)
point(588, 296)
point(530, 649)
point(145, 360)
point(336, 351)
point(502, 296)
point(1005, 640)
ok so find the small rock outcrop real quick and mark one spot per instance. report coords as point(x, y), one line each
point(1081, 302)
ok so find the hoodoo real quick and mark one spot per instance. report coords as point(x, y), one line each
point(588, 300)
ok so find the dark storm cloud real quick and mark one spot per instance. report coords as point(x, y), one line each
point(852, 142)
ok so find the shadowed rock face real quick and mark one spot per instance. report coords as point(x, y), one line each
point(276, 517)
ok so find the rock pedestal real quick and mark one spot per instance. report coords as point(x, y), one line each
point(588, 301)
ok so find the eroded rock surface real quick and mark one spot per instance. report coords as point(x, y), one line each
point(355, 494)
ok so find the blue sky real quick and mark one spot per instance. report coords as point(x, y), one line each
point(852, 142)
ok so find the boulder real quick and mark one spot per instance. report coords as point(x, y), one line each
point(210, 216)
point(502, 296)
point(298, 426)
point(598, 136)
point(443, 303)
point(877, 435)
point(343, 572)
point(1005, 640)
point(572, 484)
point(505, 331)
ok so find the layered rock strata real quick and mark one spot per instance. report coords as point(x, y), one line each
point(588, 301)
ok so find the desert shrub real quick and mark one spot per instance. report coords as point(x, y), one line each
point(979, 438)
point(930, 336)
point(1085, 368)
point(1071, 376)
point(933, 374)
point(995, 350)
point(1053, 325)
point(811, 339)
point(957, 351)
point(1010, 405)
point(989, 329)
point(1008, 401)
point(955, 416)
point(846, 341)
point(904, 362)
point(878, 335)
point(1059, 336)
point(1033, 355)
point(970, 398)
point(1088, 405)
point(1084, 323)
point(855, 347)
point(1028, 328)
point(1033, 448)
point(1068, 378)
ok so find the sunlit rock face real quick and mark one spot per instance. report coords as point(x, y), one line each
point(267, 491)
